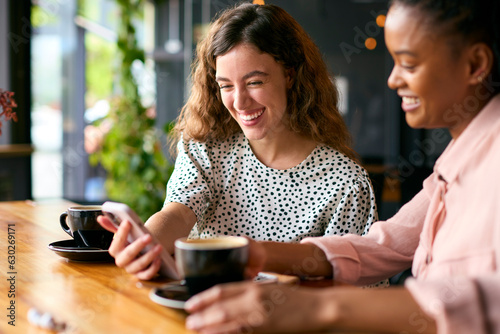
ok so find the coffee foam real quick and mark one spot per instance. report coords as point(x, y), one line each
point(85, 208)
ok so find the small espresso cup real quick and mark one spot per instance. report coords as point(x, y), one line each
point(80, 222)
point(204, 263)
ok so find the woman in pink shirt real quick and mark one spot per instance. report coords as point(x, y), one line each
point(447, 72)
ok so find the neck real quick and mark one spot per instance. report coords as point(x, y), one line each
point(465, 119)
point(283, 153)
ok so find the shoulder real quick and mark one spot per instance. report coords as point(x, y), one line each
point(335, 161)
point(221, 148)
point(235, 141)
point(212, 149)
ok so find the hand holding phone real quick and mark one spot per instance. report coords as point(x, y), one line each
point(118, 212)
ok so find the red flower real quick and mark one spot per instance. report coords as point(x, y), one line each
point(7, 102)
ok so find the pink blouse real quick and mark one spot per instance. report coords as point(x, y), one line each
point(449, 233)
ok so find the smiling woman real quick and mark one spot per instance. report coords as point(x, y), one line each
point(431, 86)
point(264, 110)
point(263, 151)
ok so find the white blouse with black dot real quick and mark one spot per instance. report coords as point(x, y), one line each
point(233, 193)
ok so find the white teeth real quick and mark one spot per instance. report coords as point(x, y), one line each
point(252, 116)
point(410, 100)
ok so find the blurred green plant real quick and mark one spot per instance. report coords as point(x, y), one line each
point(99, 68)
point(132, 150)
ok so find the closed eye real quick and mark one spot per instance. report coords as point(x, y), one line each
point(408, 67)
point(224, 86)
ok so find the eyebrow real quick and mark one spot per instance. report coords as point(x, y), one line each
point(246, 76)
point(405, 52)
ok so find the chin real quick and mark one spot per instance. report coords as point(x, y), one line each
point(254, 138)
point(254, 135)
point(414, 122)
point(251, 136)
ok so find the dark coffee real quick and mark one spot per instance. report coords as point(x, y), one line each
point(80, 222)
point(197, 284)
point(206, 262)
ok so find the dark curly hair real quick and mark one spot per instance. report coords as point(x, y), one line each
point(472, 20)
point(312, 101)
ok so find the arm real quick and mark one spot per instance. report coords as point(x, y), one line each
point(387, 249)
point(293, 259)
point(187, 191)
point(174, 221)
point(281, 308)
point(460, 305)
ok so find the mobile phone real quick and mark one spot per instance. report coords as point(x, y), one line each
point(118, 212)
point(265, 278)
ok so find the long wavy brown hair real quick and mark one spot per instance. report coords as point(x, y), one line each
point(312, 102)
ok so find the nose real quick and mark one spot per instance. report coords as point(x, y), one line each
point(241, 98)
point(394, 81)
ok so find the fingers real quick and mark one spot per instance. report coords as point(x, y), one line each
point(215, 294)
point(251, 272)
point(224, 328)
point(221, 309)
point(106, 223)
point(203, 299)
point(120, 239)
point(128, 256)
point(151, 271)
point(256, 259)
point(132, 260)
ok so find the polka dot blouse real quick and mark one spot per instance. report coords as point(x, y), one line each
point(233, 193)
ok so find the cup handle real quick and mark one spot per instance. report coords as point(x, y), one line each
point(64, 225)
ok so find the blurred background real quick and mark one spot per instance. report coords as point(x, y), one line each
point(64, 61)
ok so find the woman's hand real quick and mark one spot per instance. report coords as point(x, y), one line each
point(242, 307)
point(128, 256)
point(248, 306)
point(256, 259)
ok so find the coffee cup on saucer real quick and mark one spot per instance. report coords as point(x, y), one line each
point(204, 263)
point(80, 222)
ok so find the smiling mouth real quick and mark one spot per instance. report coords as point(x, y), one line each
point(409, 100)
point(252, 116)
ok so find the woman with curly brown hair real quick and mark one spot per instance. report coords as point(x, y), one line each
point(312, 99)
point(262, 149)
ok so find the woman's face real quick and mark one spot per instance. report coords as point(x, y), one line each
point(431, 77)
point(253, 88)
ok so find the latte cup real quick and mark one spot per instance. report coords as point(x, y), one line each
point(203, 263)
point(80, 222)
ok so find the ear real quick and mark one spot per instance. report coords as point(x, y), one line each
point(290, 77)
point(481, 62)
